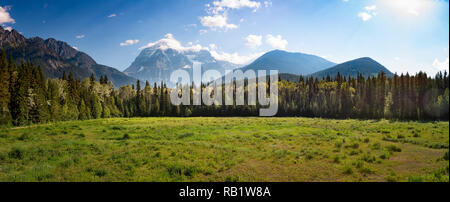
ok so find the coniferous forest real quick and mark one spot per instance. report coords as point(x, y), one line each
point(27, 97)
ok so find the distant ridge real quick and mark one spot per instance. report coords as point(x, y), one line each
point(365, 66)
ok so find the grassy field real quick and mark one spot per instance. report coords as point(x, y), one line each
point(226, 149)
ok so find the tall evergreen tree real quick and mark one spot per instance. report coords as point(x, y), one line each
point(5, 96)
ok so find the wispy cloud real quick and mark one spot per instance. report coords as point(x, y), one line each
point(370, 8)
point(191, 25)
point(234, 4)
point(364, 16)
point(411, 7)
point(129, 42)
point(112, 15)
point(80, 36)
point(267, 4)
point(368, 13)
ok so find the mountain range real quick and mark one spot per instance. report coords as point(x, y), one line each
point(156, 62)
point(56, 57)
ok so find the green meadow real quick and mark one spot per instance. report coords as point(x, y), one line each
point(226, 149)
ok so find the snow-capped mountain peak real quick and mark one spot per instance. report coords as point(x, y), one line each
point(159, 59)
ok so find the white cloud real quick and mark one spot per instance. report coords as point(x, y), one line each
point(217, 21)
point(217, 13)
point(235, 58)
point(112, 15)
point(4, 16)
point(203, 31)
point(441, 66)
point(74, 47)
point(369, 13)
point(276, 41)
point(364, 16)
point(80, 36)
point(370, 8)
point(267, 4)
point(236, 4)
point(129, 42)
point(253, 41)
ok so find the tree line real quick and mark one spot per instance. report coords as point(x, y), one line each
point(27, 97)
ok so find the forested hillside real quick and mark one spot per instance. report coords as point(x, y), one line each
point(366, 67)
point(55, 57)
point(26, 97)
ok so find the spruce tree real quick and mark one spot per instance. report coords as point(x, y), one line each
point(5, 96)
point(84, 111)
point(53, 97)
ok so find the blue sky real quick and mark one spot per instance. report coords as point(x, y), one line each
point(403, 35)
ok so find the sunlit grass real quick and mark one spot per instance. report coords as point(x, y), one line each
point(226, 149)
